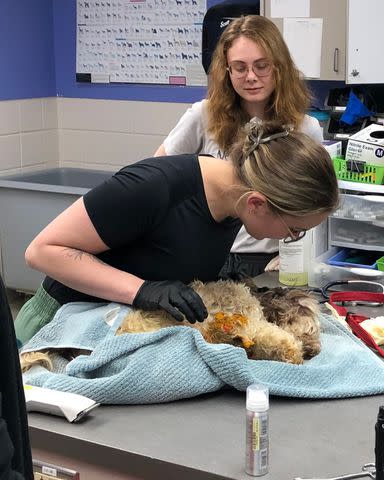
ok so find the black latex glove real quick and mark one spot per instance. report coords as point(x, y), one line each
point(174, 297)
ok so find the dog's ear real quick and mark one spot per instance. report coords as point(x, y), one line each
point(254, 289)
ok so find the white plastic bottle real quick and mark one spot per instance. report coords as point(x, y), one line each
point(257, 430)
point(294, 261)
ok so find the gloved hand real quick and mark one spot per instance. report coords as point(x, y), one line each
point(174, 297)
point(273, 265)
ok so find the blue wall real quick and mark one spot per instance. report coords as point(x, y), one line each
point(38, 59)
point(26, 49)
point(64, 13)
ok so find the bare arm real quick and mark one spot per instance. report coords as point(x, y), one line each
point(66, 249)
point(160, 152)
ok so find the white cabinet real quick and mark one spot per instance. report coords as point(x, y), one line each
point(351, 49)
point(365, 41)
point(333, 47)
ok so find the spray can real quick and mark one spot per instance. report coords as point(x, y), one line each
point(379, 445)
point(257, 431)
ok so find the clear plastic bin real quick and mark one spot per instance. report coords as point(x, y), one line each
point(361, 207)
point(352, 234)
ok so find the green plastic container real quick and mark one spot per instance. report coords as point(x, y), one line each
point(370, 174)
point(380, 264)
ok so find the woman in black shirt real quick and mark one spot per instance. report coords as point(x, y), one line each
point(156, 225)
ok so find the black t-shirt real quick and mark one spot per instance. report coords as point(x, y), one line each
point(154, 217)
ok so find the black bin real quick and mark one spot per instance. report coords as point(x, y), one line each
point(217, 18)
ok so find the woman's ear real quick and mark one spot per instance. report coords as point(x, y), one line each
point(257, 203)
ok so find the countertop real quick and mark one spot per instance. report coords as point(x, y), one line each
point(204, 437)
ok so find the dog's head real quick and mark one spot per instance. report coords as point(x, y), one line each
point(285, 305)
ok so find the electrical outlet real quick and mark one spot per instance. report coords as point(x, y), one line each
point(48, 471)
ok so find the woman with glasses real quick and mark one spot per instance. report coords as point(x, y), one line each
point(143, 235)
point(251, 74)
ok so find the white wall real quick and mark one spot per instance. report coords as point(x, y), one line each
point(106, 134)
point(71, 132)
point(28, 135)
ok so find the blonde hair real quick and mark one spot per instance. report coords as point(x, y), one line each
point(290, 98)
point(291, 170)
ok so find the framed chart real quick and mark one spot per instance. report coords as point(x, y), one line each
point(140, 41)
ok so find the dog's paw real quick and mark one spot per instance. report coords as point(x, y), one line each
point(291, 352)
point(311, 348)
point(283, 349)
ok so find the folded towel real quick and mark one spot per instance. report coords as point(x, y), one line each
point(176, 362)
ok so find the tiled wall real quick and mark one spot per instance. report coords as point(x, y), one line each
point(28, 135)
point(99, 134)
point(108, 134)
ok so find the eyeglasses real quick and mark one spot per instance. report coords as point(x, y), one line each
point(240, 70)
point(294, 235)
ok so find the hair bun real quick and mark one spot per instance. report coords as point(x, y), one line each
point(259, 131)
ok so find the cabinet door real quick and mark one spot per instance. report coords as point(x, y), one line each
point(365, 41)
point(333, 13)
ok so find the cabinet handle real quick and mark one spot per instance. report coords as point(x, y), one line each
point(336, 60)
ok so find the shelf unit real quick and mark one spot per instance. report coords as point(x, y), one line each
point(321, 272)
point(376, 248)
point(359, 219)
point(361, 187)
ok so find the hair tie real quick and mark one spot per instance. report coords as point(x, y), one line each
point(259, 139)
point(254, 124)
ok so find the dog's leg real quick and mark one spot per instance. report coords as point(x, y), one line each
point(272, 343)
point(29, 359)
point(46, 358)
point(311, 343)
point(139, 321)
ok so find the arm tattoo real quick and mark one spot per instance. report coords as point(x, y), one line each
point(79, 254)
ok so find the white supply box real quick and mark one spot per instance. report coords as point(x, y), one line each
point(333, 147)
point(367, 145)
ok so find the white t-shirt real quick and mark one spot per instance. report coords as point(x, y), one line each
point(190, 136)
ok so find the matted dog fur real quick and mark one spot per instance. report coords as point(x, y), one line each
point(270, 324)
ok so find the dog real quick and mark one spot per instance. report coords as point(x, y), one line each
point(269, 324)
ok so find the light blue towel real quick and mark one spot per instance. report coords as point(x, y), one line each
point(176, 362)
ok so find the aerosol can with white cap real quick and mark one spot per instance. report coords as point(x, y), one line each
point(257, 430)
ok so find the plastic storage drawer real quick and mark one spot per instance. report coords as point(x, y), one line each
point(353, 234)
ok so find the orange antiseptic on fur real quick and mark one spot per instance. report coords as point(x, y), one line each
point(280, 324)
point(248, 343)
point(227, 322)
